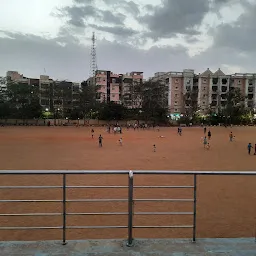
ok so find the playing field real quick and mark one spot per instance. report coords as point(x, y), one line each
point(226, 204)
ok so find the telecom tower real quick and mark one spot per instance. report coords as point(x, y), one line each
point(93, 66)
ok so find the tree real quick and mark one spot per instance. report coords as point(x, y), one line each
point(154, 96)
point(132, 93)
point(191, 105)
point(88, 99)
point(234, 107)
point(23, 100)
point(112, 111)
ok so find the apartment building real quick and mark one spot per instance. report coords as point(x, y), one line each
point(3, 85)
point(118, 88)
point(207, 90)
point(108, 86)
point(247, 83)
point(58, 97)
point(182, 89)
point(129, 89)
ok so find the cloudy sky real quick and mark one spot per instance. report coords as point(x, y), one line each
point(54, 36)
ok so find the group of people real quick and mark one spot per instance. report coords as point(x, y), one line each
point(206, 139)
point(101, 139)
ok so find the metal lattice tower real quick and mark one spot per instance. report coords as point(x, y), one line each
point(93, 66)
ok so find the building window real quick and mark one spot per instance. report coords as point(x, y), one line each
point(176, 81)
point(176, 102)
point(204, 88)
point(239, 81)
point(113, 80)
point(176, 88)
point(203, 102)
point(176, 110)
point(204, 81)
point(176, 95)
point(204, 95)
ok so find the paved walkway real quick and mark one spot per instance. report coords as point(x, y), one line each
point(168, 247)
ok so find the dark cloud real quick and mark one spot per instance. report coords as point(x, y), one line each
point(149, 7)
point(240, 35)
point(64, 57)
point(129, 6)
point(30, 54)
point(85, 2)
point(116, 30)
point(78, 16)
point(132, 8)
point(176, 17)
point(109, 17)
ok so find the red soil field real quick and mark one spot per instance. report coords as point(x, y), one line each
point(226, 204)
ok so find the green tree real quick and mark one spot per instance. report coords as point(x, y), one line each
point(88, 103)
point(191, 104)
point(154, 96)
point(23, 100)
point(112, 111)
point(235, 107)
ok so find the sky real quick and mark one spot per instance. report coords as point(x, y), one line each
point(53, 37)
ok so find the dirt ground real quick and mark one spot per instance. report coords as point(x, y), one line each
point(226, 204)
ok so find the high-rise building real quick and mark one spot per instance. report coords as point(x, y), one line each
point(129, 89)
point(207, 90)
point(59, 97)
point(118, 88)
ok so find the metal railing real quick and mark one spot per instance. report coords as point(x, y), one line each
point(130, 200)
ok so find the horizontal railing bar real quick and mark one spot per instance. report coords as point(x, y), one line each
point(44, 187)
point(193, 172)
point(96, 200)
point(94, 227)
point(27, 228)
point(97, 213)
point(26, 187)
point(163, 187)
point(30, 214)
point(167, 200)
point(149, 172)
point(127, 187)
point(96, 186)
point(163, 213)
point(162, 226)
point(59, 172)
point(30, 201)
point(70, 200)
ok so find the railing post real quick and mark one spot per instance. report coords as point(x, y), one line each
point(64, 210)
point(130, 209)
point(194, 207)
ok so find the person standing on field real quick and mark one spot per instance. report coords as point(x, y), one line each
point(100, 141)
point(209, 135)
point(231, 136)
point(249, 148)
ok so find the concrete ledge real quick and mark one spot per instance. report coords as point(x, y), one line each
point(145, 247)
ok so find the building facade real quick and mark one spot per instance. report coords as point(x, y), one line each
point(129, 89)
point(58, 97)
point(118, 88)
point(206, 91)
